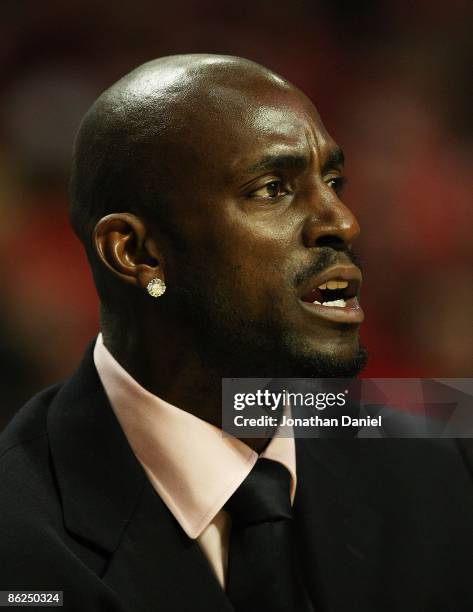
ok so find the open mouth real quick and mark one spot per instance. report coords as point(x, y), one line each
point(334, 293)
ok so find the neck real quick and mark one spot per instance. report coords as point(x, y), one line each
point(167, 365)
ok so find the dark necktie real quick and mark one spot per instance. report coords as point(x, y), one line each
point(263, 569)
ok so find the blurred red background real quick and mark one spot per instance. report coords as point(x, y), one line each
point(393, 82)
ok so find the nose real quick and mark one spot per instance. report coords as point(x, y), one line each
point(330, 224)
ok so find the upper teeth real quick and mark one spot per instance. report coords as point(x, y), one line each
point(334, 284)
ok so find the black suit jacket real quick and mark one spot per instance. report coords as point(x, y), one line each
point(383, 525)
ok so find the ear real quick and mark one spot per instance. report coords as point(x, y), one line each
point(124, 246)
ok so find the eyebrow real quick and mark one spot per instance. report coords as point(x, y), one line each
point(278, 162)
point(335, 158)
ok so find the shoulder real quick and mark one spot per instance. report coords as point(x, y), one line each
point(24, 455)
point(30, 509)
point(26, 479)
point(36, 551)
point(29, 422)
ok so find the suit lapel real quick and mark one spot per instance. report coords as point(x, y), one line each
point(108, 502)
point(338, 529)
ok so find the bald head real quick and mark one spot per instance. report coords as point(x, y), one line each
point(141, 132)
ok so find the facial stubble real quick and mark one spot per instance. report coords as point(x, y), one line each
point(242, 346)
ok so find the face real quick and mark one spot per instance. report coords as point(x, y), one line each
point(261, 272)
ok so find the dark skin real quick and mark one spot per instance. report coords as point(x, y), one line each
point(252, 188)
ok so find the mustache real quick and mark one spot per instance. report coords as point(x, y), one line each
point(327, 258)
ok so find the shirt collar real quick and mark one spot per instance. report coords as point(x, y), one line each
point(194, 468)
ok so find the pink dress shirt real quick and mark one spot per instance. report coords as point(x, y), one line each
point(191, 465)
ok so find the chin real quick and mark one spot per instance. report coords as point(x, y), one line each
point(341, 351)
point(341, 359)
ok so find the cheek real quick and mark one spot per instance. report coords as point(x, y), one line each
point(245, 254)
point(255, 245)
point(258, 273)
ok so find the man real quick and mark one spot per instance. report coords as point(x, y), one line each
point(206, 192)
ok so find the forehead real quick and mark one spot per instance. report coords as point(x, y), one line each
point(216, 130)
point(272, 121)
point(279, 129)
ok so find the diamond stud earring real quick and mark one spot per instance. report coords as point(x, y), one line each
point(156, 287)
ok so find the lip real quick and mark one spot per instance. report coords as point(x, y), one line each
point(346, 273)
point(352, 313)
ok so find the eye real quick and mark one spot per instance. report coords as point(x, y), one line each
point(270, 191)
point(337, 183)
